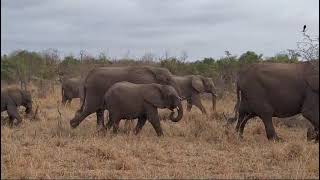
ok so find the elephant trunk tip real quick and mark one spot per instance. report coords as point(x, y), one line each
point(179, 116)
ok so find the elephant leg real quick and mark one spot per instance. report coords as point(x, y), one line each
point(13, 114)
point(154, 119)
point(242, 115)
point(196, 100)
point(100, 119)
point(270, 131)
point(310, 109)
point(141, 122)
point(243, 123)
point(116, 125)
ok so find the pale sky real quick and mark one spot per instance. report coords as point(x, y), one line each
point(202, 28)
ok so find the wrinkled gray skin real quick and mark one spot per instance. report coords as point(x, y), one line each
point(11, 99)
point(279, 90)
point(100, 79)
point(71, 88)
point(125, 100)
point(192, 86)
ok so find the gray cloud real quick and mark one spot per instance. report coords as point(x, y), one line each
point(202, 28)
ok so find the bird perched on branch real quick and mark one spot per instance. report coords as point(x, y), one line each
point(304, 28)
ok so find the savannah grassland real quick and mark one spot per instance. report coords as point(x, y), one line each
point(198, 146)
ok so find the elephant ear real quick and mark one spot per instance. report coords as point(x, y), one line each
point(313, 82)
point(197, 84)
point(154, 96)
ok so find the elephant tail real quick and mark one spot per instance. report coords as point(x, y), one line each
point(236, 107)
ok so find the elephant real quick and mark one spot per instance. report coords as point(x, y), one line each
point(192, 86)
point(71, 88)
point(100, 79)
point(11, 98)
point(278, 90)
point(125, 100)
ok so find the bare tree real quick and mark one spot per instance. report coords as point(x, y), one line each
point(81, 54)
point(227, 53)
point(184, 56)
point(148, 57)
point(126, 55)
point(166, 54)
point(308, 48)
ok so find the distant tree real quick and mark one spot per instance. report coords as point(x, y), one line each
point(281, 58)
point(102, 58)
point(249, 57)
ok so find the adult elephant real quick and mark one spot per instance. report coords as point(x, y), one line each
point(100, 79)
point(279, 90)
point(191, 87)
point(11, 99)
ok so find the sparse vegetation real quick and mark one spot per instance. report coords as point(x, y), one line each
point(197, 146)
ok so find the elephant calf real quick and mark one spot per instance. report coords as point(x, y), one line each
point(125, 100)
point(71, 88)
point(191, 86)
point(11, 98)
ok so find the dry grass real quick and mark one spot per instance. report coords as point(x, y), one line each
point(196, 147)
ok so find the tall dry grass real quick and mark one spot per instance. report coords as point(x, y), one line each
point(198, 146)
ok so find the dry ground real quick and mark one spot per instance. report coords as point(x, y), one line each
point(196, 147)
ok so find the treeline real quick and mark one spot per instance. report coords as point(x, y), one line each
point(23, 65)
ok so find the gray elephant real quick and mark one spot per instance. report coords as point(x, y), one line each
point(100, 79)
point(11, 98)
point(192, 86)
point(125, 100)
point(279, 90)
point(70, 89)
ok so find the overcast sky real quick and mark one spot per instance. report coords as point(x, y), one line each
point(202, 28)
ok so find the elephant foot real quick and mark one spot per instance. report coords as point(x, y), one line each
point(101, 128)
point(74, 124)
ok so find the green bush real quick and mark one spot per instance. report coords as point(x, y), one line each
point(23, 65)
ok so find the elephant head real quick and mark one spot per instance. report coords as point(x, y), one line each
point(202, 84)
point(165, 96)
point(164, 76)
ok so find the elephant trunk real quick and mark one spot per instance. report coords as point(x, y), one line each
point(180, 114)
